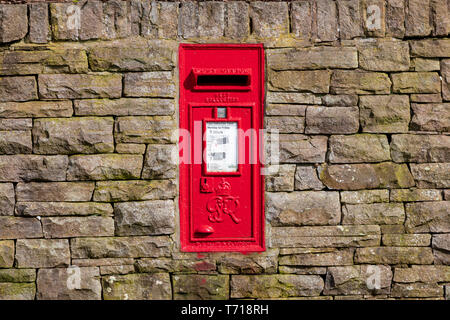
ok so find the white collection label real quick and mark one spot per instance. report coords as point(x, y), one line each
point(221, 146)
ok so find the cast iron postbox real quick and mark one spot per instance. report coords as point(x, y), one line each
point(221, 112)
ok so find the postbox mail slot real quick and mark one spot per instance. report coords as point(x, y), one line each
point(222, 79)
point(221, 109)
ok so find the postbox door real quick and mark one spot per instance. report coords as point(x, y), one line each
point(221, 207)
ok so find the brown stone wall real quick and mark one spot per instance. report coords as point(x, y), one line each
point(359, 208)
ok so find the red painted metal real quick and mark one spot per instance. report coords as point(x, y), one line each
point(222, 211)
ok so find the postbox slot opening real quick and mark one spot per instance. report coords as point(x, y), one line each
point(223, 80)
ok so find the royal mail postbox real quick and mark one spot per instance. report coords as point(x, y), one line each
point(221, 117)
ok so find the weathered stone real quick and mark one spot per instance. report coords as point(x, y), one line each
point(416, 82)
point(17, 291)
point(211, 19)
point(102, 262)
point(107, 270)
point(421, 64)
point(423, 217)
point(237, 263)
point(440, 13)
point(374, 17)
point(116, 21)
point(115, 191)
point(431, 175)
point(411, 195)
point(286, 124)
point(15, 228)
point(73, 135)
point(54, 60)
point(315, 81)
point(303, 208)
point(160, 162)
point(431, 117)
point(14, 142)
point(312, 58)
point(54, 191)
point(317, 257)
point(441, 248)
point(384, 56)
point(153, 265)
point(406, 240)
point(137, 287)
point(17, 168)
point(420, 148)
point(417, 290)
point(327, 23)
point(306, 179)
point(340, 100)
point(292, 97)
point(426, 97)
point(37, 209)
point(237, 24)
point(39, 23)
point(374, 213)
point(297, 148)
point(386, 113)
point(395, 18)
point(275, 286)
point(6, 254)
point(17, 275)
point(61, 284)
point(394, 255)
point(445, 74)
point(431, 48)
point(349, 19)
point(326, 236)
point(124, 107)
point(16, 124)
point(365, 279)
point(42, 253)
point(129, 57)
point(13, 22)
point(301, 19)
point(69, 227)
point(201, 287)
point(104, 167)
point(392, 229)
point(269, 19)
point(417, 22)
point(120, 247)
point(18, 89)
point(332, 119)
point(75, 86)
point(36, 109)
point(80, 21)
point(302, 270)
point(156, 129)
point(358, 148)
point(7, 199)
point(282, 180)
point(188, 21)
point(359, 82)
point(364, 196)
point(131, 148)
point(366, 176)
point(144, 217)
point(149, 84)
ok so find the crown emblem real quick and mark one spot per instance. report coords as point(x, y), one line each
point(223, 188)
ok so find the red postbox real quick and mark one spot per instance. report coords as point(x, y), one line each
point(221, 121)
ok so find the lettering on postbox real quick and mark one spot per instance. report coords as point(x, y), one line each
point(221, 122)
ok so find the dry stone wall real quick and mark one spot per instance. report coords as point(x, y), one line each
point(358, 209)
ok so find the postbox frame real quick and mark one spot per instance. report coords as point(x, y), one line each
point(189, 243)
